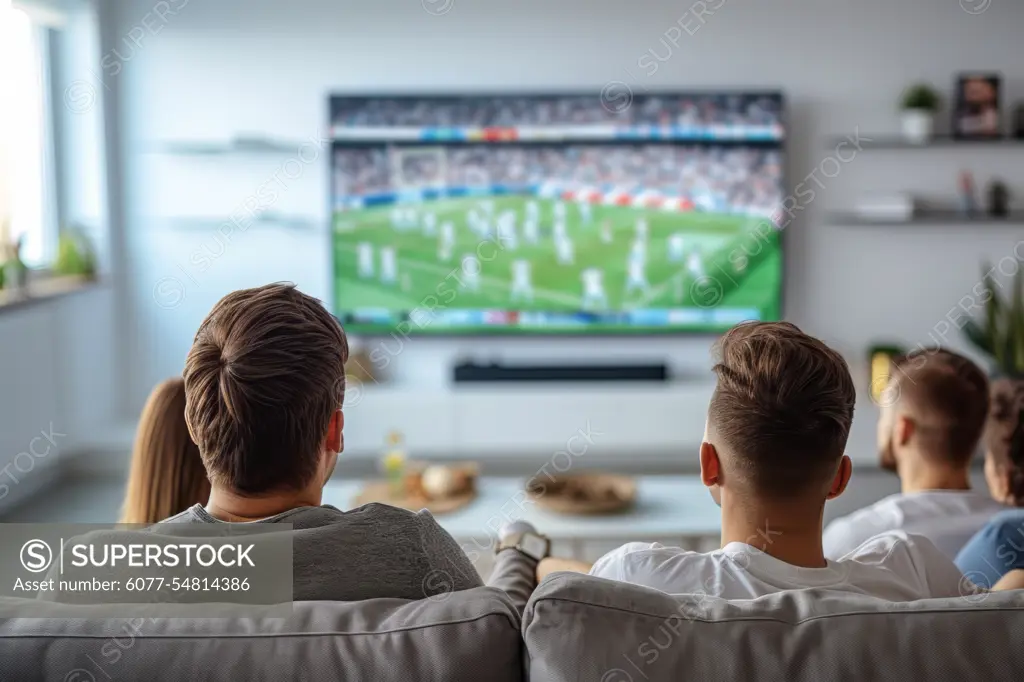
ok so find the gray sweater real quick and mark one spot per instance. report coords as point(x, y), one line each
point(373, 551)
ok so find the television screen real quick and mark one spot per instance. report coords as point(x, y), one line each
point(556, 214)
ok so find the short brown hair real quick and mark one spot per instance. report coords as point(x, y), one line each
point(782, 407)
point(263, 377)
point(1004, 432)
point(947, 396)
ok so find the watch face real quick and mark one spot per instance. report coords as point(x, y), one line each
point(534, 545)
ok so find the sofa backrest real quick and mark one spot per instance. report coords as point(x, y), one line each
point(578, 627)
point(464, 636)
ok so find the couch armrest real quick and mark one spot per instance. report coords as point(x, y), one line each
point(515, 574)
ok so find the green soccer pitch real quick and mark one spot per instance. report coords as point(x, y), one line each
point(741, 260)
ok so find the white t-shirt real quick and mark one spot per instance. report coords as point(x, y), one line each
point(894, 566)
point(949, 518)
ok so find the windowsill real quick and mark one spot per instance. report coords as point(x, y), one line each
point(43, 288)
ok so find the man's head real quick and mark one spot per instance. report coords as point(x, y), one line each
point(932, 412)
point(264, 385)
point(1004, 442)
point(779, 418)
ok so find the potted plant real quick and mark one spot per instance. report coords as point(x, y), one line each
point(74, 254)
point(1000, 334)
point(920, 102)
point(15, 270)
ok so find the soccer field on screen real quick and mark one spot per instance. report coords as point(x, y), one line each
point(740, 260)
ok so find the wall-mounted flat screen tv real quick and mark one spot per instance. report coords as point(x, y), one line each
point(556, 214)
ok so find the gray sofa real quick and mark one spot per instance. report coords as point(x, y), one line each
point(575, 628)
point(463, 636)
point(581, 628)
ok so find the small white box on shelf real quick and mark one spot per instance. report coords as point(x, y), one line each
point(886, 207)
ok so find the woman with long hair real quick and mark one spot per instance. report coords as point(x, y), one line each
point(998, 548)
point(167, 475)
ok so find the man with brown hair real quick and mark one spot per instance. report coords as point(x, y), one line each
point(933, 413)
point(772, 455)
point(265, 384)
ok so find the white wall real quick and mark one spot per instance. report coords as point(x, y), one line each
point(216, 69)
point(61, 383)
point(58, 370)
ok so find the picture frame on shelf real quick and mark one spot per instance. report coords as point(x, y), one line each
point(976, 112)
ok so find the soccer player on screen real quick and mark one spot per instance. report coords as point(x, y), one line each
point(559, 230)
point(447, 241)
point(477, 222)
point(430, 224)
point(559, 211)
point(532, 210)
point(470, 273)
point(531, 230)
point(606, 232)
point(586, 212)
point(636, 270)
point(564, 251)
point(641, 228)
point(388, 265)
point(695, 264)
point(638, 251)
point(594, 297)
point(522, 288)
point(676, 248)
point(364, 258)
point(507, 236)
point(411, 218)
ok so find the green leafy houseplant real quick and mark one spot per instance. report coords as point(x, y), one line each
point(74, 254)
point(920, 97)
point(1000, 334)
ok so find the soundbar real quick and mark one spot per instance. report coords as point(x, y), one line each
point(474, 373)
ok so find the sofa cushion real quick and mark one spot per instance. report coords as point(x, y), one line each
point(578, 627)
point(468, 635)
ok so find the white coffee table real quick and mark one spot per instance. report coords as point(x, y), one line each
point(674, 510)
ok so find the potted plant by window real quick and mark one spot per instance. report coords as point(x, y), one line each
point(1000, 332)
point(74, 254)
point(920, 102)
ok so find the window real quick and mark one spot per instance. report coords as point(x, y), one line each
point(28, 209)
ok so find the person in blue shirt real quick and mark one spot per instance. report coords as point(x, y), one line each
point(998, 548)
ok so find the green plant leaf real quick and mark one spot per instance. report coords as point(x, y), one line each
point(978, 336)
point(993, 311)
point(920, 96)
point(1016, 324)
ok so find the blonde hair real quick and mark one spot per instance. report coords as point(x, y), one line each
point(167, 475)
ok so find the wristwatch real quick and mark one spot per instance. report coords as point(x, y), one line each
point(529, 543)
